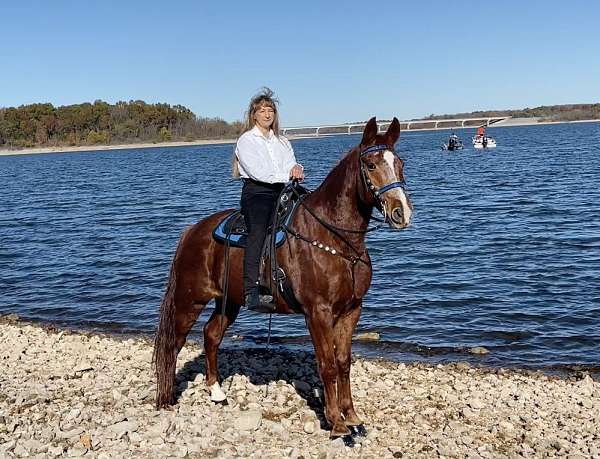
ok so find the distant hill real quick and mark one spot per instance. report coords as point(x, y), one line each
point(43, 125)
point(570, 112)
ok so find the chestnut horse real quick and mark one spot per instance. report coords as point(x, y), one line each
point(327, 262)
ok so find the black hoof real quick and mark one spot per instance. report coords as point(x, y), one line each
point(358, 431)
point(349, 441)
point(222, 402)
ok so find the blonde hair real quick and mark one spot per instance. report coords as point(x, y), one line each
point(265, 97)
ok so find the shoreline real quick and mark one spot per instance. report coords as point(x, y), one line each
point(129, 146)
point(360, 340)
point(75, 394)
point(91, 148)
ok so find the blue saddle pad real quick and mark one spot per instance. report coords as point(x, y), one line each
point(234, 225)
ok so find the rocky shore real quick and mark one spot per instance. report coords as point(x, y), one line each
point(72, 394)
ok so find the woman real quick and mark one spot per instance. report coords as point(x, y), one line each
point(265, 161)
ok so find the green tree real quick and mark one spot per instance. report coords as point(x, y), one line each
point(164, 134)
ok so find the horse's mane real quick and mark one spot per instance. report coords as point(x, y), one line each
point(348, 164)
point(340, 170)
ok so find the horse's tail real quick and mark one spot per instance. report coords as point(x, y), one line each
point(164, 357)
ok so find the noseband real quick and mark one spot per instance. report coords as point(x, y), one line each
point(378, 192)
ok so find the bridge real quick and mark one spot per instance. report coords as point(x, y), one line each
point(414, 125)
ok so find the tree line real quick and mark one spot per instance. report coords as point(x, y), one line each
point(570, 112)
point(44, 125)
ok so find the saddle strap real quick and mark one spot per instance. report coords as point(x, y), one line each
point(288, 295)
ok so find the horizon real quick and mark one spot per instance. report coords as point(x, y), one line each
point(339, 124)
point(326, 66)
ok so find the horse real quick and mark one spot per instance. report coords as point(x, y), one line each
point(326, 260)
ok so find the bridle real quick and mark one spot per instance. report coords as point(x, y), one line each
point(378, 192)
point(379, 203)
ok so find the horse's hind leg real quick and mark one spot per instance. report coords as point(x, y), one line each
point(343, 329)
point(214, 330)
point(174, 326)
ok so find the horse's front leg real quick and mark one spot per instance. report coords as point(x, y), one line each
point(320, 326)
point(214, 330)
point(343, 329)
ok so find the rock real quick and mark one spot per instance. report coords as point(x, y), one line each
point(302, 386)
point(73, 414)
point(55, 451)
point(248, 420)
point(83, 366)
point(20, 451)
point(476, 404)
point(337, 445)
point(123, 427)
point(367, 336)
point(76, 451)
point(85, 441)
point(33, 446)
point(479, 350)
point(67, 434)
point(10, 318)
point(309, 427)
point(463, 366)
point(180, 451)
point(448, 450)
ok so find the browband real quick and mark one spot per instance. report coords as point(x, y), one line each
point(375, 148)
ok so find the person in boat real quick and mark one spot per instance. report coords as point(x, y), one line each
point(265, 161)
point(452, 141)
point(480, 131)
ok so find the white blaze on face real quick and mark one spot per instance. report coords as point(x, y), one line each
point(396, 192)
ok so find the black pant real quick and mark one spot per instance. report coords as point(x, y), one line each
point(258, 205)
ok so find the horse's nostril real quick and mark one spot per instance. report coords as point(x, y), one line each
point(398, 215)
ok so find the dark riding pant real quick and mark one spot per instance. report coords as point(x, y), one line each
point(258, 204)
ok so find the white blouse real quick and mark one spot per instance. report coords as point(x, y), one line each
point(265, 159)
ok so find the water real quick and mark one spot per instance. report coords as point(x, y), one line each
point(504, 250)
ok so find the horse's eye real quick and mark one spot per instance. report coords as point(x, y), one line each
point(371, 166)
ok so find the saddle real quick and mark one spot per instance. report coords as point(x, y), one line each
point(232, 231)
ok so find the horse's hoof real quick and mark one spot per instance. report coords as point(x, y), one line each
point(348, 441)
point(358, 431)
point(221, 402)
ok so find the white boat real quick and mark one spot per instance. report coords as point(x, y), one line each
point(480, 142)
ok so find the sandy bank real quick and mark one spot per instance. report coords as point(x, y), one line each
point(29, 151)
point(90, 395)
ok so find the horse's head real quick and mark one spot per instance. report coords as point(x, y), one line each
point(382, 174)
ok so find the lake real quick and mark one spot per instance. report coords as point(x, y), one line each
point(503, 252)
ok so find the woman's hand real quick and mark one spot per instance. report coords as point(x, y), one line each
point(297, 172)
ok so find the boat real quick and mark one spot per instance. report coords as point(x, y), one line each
point(481, 142)
point(454, 143)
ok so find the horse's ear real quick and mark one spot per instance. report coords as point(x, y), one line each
point(393, 132)
point(370, 132)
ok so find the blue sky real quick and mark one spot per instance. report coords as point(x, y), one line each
point(329, 62)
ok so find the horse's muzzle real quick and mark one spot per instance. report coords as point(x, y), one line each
point(399, 219)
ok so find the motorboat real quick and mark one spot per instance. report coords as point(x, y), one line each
point(481, 141)
point(454, 143)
